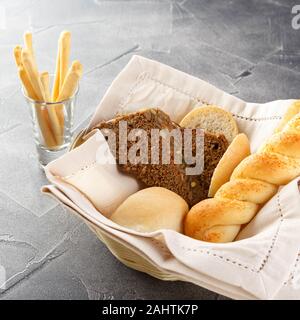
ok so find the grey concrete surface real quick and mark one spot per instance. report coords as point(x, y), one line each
point(247, 48)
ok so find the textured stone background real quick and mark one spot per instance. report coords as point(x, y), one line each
point(247, 48)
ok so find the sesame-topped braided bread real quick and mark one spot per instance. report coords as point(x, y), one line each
point(253, 182)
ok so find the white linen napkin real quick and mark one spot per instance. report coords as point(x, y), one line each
point(262, 264)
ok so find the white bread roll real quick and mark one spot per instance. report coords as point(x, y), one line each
point(212, 119)
point(238, 150)
point(254, 181)
point(152, 209)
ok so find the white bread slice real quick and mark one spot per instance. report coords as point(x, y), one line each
point(238, 150)
point(212, 119)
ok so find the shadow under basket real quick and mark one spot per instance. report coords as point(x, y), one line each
point(119, 249)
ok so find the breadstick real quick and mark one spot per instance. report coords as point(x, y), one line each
point(42, 115)
point(29, 51)
point(45, 82)
point(55, 89)
point(32, 74)
point(26, 83)
point(71, 81)
point(18, 55)
point(62, 61)
point(64, 52)
point(29, 46)
point(22, 73)
point(28, 41)
point(69, 87)
point(58, 131)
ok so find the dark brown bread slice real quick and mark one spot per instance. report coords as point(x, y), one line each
point(193, 188)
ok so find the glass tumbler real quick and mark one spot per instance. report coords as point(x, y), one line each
point(52, 126)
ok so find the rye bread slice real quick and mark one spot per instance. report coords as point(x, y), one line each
point(172, 176)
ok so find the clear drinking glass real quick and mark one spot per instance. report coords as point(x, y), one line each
point(52, 126)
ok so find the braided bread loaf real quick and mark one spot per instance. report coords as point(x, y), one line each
point(253, 182)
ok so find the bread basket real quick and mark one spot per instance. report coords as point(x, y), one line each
point(262, 264)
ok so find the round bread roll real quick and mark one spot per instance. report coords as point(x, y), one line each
point(212, 119)
point(238, 150)
point(152, 209)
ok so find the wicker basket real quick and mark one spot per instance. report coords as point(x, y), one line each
point(123, 253)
